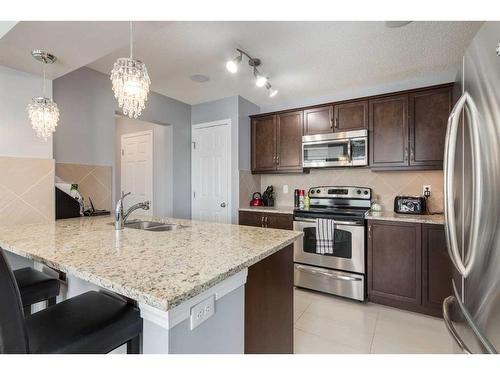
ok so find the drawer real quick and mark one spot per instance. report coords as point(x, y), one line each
point(330, 281)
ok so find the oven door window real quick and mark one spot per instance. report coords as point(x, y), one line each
point(326, 152)
point(342, 244)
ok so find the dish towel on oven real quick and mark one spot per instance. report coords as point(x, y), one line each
point(325, 235)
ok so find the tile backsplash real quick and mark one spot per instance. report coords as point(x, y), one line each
point(385, 185)
point(26, 190)
point(249, 184)
point(94, 181)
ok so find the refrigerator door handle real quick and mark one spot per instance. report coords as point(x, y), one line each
point(448, 301)
point(449, 161)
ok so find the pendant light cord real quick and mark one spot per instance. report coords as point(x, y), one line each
point(131, 41)
point(43, 85)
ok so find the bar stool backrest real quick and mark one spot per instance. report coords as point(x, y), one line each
point(13, 334)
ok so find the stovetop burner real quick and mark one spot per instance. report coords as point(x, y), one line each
point(337, 202)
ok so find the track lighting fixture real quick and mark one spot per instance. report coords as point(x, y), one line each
point(260, 80)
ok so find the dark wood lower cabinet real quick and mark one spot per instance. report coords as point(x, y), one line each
point(437, 269)
point(394, 263)
point(266, 220)
point(269, 292)
point(269, 305)
point(408, 266)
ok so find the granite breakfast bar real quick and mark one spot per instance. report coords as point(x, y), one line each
point(167, 274)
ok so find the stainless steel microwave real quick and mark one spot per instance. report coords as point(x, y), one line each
point(343, 149)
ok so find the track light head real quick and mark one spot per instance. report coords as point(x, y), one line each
point(232, 65)
point(271, 92)
point(260, 80)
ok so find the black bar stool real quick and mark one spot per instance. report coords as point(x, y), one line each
point(93, 322)
point(36, 286)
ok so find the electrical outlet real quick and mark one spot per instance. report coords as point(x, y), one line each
point(285, 189)
point(426, 191)
point(202, 311)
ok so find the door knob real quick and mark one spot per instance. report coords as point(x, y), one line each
point(223, 204)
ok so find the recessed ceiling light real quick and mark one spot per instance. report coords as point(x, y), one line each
point(200, 78)
point(395, 24)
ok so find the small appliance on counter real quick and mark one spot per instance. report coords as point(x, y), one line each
point(69, 202)
point(268, 197)
point(409, 205)
point(92, 211)
point(256, 199)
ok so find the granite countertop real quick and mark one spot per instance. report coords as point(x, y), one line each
point(275, 209)
point(392, 216)
point(161, 269)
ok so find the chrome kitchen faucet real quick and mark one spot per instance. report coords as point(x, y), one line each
point(121, 217)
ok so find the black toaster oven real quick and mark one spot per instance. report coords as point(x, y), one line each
point(409, 205)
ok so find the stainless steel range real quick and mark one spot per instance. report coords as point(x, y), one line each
point(341, 272)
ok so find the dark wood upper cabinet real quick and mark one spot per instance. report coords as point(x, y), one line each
point(264, 143)
point(318, 120)
point(350, 116)
point(394, 263)
point(289, 141)
point(388, 135)
point(437, 269)
point(277, 142)
point(406, 130)
point(429, 111)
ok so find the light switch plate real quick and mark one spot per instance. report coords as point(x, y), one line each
point(202, 311)
point(285, 189)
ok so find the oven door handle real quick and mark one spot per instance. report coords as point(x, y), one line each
point(339, 222)
point(333, 276)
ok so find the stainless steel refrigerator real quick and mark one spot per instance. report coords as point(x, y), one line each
point(472, 197)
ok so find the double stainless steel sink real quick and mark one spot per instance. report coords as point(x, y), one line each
point(152, 226)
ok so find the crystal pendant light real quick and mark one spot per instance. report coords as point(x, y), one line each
point(42, 111)
point(130, 83)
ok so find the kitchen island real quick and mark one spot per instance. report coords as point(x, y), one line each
point(167, 274)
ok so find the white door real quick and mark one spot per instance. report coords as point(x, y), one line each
point(210, 170)
point(137, 169)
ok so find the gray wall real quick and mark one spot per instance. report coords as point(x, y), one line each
point(223, 333)
point(162, 161)
point(237, 109)
point(245, 109)
point(17, 138)
point(86, 132)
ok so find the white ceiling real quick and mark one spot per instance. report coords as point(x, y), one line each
point(301, 59)
point(75, 44)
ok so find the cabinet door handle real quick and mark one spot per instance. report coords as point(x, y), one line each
point(405, 156)
point(336, 122)
point(262, 221)
point(277, 159)
point(266, 221)
point(412, 153)
point(369, 231)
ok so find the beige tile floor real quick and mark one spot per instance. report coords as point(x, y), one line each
point(329, 324)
